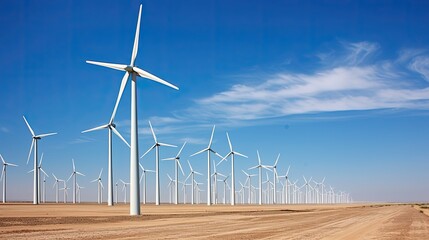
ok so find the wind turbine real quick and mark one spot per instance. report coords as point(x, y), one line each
point(124, 188)
point(3, 175)
point(99, 187)
point(65, 188)
point(112, 128)
point(176, 171)
point(134, 71)
point(286, 176)
point(74, 175)
point(209, 150)
point(275, 177)
point(259, 166)
point(44, 188)
point(306, 188)
point(232, 153)
point(215, 174)
point(225, 185)
point(40, 170)
point(143, 176)
point(249, 178)
point(56, 183)
point(192, 173)
point(78, 191)
point(268, 190)
point(156, 146)
point(35, 137)
point(170, 185)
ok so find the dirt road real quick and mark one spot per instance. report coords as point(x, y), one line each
point(220, 222)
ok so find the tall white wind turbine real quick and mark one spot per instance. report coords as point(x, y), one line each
point(286, 185)
point(275, 178)
point(74, 175)
point(56, 183)
point(249, 179)
point(124, 189)
point(156, 146)
point(39, 172)
point(3, 175)
point(192, 174)
point(232, 153)
point(209, 150)
point(112, 128)
point(99, 187)
point(36, 138)
point(306, 184)
point(260, 166)
point(177, 165)
point(134, 71)
point(142, 177)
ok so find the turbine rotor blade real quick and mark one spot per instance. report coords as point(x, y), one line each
point(118, 99)
point(31, 149)
point(152, 77)
point(190, 166)
point(205, 149)
point(99, 176)
point(229, 141)
point(180, 151)
point(29, 128)
point(287, 172)
point(71, 175)
point(153, 146)
point(136, 39)
point(180, 166)
point(153, 133)
point(96, 128)
point(277, 160)
point(240, 154)
point(166, 145)
point(120, 136)
point(211, 137)
point(120, 67)
point(45, 135)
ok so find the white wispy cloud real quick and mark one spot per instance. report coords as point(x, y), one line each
point(354, 82)
point(82, 140)
point(350, 78)
point(4, 129)
point(420, 64)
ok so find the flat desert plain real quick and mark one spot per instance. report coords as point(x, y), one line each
point(91, 221)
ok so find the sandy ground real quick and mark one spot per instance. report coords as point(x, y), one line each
point(91, 221)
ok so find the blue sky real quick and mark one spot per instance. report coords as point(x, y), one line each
point(339, 89)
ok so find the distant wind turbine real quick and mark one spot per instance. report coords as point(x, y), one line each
point(177, 165)
point(134, 71)
point(36, 138)
point(232, 153)
point(192, 173)
point(112, 128)
point(209, 150)
point(260, 166)
point(3, 175)
point(74, 175)
point(99, 187)
point(56, 183)
point(156, 146)
point(143, 177)
point(275, 178)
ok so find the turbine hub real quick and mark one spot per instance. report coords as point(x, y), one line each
point(129, 69)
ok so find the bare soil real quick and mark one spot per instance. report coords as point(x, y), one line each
point(91, 221)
